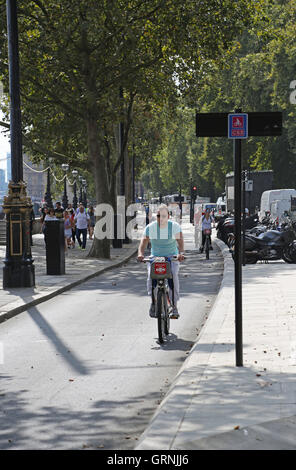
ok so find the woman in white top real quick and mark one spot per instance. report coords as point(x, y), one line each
point(206, 224)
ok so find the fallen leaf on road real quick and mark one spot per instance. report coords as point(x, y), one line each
point(236, 427)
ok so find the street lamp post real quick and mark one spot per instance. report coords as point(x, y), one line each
point(47, 196)
point(18, 270)
point(84, 183)
point(80, 189)
point(65, 168)
point(75, 200)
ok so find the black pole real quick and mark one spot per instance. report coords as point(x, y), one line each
point(238, 254)
point(117, 242)
point(75, 194)
point(133, 176)
point(191, 212)
point(244, 217)
point(125, 240)
point(180, 201)
point(84, 196)
point(80, 194)
point(65, 197)
point(18, 270)
point(47, 196)
point(14, 88)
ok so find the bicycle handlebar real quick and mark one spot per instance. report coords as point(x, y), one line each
point(173, 258)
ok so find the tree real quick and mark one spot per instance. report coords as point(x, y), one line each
point(75, 55)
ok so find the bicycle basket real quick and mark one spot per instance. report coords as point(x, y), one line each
point(160, 269)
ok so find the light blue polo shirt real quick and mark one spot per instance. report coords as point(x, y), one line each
point(163, 240)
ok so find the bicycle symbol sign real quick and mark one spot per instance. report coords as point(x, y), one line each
point(238, 126)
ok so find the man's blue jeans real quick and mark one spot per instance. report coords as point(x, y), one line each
point(82, 231)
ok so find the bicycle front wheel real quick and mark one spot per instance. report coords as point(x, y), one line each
point(160, 316)
point(166, 314)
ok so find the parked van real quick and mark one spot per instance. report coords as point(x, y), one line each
point(221, 207)
point(212, 206)
point(276, 202)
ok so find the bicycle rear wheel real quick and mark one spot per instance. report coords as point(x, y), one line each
point(160, 316)
point(207, 248)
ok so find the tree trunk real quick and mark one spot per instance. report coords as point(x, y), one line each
point(100, 248)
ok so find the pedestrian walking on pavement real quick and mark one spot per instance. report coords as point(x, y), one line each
point(67, 230)
point(73, 226)
point(82, 223)
point(59, 211)
point(92, 222)
point(44, 211)
point(48, 217)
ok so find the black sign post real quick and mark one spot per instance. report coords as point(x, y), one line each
point(248, 124)
point(238, 252)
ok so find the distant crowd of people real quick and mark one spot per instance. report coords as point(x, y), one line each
point(77, 223)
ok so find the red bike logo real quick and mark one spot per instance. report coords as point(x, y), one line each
point(160, 268)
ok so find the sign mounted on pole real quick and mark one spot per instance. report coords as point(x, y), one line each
point(238, 126)
point(259, 124)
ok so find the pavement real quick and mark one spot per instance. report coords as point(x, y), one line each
point(212, 404)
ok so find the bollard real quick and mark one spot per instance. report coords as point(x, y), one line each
point(55, 247)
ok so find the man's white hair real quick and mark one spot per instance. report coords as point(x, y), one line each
point(162, 207)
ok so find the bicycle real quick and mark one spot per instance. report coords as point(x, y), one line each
point(207, 233)
point(162, 282)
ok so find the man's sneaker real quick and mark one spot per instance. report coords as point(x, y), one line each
point(152, 311)
point(175, 314)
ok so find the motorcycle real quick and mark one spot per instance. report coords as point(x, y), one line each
point(270, 245)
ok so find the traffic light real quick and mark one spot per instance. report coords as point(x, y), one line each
point(193, 192)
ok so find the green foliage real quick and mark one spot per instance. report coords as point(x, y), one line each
point(254, 75)
point(75, 55)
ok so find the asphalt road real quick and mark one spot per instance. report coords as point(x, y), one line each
point(85, 371)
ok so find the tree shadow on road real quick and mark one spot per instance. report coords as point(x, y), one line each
point(99, 424)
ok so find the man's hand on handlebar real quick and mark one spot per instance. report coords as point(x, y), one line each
point(181, 257)
point(140, 257)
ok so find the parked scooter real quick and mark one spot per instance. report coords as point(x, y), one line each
point(270, 245)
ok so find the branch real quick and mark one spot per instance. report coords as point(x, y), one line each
point(126, 132)
point(54, 98)
point(4, 124)
point(37, 148)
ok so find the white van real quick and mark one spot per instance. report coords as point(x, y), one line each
point(221, 207)
point(212, 206)
point(276, 202)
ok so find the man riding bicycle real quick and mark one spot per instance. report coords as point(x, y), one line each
point(166, 239)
